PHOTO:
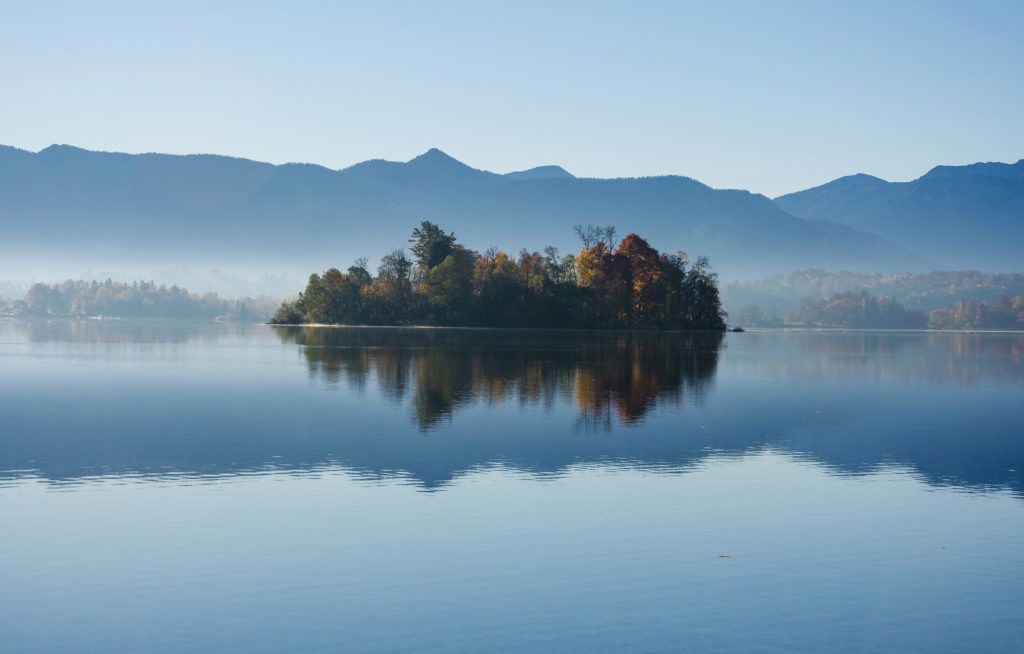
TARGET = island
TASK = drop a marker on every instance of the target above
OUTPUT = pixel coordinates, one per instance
(608, 284)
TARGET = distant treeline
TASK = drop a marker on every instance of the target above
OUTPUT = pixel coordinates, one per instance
(1005, 313)
(606, 285)
(864, 311)
(857, 311)
(77, 298)
(930, 291)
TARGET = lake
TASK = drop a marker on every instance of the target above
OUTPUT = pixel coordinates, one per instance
(190, 487)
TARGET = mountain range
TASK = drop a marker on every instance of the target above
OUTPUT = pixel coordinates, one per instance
(962, 216)
(69, 206)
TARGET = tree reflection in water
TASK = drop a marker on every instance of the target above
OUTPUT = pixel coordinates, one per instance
(95, 398)
(620, 374)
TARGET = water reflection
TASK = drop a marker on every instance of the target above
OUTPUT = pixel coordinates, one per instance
(426, 406)
(890, 357)
(624, 373)
(133, 332)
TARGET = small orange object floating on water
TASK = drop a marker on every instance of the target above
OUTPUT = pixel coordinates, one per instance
(723, 556)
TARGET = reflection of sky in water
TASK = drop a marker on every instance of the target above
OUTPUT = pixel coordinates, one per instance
(599, 557)
(181, 488)
(87, 399)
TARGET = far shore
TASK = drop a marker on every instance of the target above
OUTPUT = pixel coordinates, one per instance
(650, 330)
(787, 328)
(793, 328)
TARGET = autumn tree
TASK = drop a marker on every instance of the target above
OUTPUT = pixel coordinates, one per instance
(389, 296)
(359, 272)
(629, 285)
(591, 235)
(645, 279)
(430, 245)
(446, 288)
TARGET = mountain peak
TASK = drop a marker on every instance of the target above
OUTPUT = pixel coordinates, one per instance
(63, 148)
(441, 163)
(858, 183)
(981, 169)
(435, 157)
(860, 180)
(541, 172)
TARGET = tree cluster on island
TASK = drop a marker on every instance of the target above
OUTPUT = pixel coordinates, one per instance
(80, 299)
(606, 285)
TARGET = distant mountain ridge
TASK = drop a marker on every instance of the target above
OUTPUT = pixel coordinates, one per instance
(66, 203)
(542, 172)
(963, 216)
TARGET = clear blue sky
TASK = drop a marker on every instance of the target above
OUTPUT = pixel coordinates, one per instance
(768, 96)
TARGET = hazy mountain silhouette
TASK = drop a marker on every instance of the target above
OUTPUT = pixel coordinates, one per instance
(542, 172)
(99, 208)
(963, 216)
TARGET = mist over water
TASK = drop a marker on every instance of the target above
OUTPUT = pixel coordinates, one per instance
(247, 280)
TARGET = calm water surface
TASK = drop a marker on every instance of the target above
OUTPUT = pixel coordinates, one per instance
(170, 488)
